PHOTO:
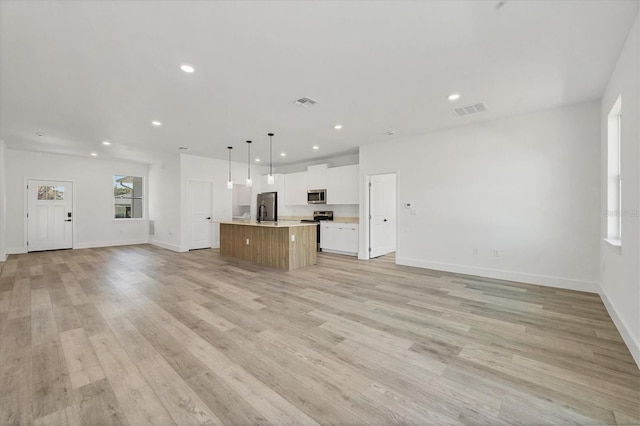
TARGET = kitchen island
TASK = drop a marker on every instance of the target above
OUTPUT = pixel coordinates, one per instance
(282, 245)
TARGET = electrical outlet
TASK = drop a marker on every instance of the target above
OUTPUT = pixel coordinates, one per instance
(247, 241)
(496, 253)
(475, 251)
(293, 238)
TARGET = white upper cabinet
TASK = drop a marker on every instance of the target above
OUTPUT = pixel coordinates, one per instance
(295, 188)
(342, 185)
(317, 176)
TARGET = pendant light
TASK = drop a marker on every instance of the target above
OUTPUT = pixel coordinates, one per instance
(249, 183)
(270, 179)
(229, 182)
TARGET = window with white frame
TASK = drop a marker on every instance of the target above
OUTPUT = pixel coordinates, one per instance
(614, 174)
(128, 197)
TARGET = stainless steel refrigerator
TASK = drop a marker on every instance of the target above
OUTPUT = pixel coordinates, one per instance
(267, 207)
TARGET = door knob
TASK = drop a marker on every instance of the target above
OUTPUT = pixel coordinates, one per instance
(209, 218)
(385, 220)
(67, 220)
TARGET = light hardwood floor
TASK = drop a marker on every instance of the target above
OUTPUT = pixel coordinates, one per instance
(139, 335)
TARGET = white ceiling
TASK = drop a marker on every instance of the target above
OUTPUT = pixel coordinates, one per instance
(86, 71)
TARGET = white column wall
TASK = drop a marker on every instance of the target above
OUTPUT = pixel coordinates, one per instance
(3, 203)
(165, 199)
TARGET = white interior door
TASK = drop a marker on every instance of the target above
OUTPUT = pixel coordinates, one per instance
(49, 215)
(200, 207)
(382, 215)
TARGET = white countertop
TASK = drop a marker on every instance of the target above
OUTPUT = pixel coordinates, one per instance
(279, 224)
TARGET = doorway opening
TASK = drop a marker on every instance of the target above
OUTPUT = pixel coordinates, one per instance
(382, 214)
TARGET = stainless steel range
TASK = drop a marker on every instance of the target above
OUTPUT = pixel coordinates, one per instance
(317, 217)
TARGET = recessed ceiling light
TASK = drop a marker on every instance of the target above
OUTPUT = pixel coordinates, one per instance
(187, 68)
(93, 154)
(454, 96)
(39, 134)
(283, 154)
(316, 147)
(391, 132)
(257, 160)
(338, 126)
(107, 143)
(156, 123)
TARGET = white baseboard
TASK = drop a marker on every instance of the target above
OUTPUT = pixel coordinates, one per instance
(23, 250)
(344, 253)
(3, 257)
(629, 339)
(168, 246)
(109, 243)
(544, 280)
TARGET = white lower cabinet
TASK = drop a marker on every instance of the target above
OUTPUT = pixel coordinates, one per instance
(338, 237)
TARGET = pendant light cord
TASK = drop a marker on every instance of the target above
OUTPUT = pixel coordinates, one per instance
(270, 154)
(249, 161)
(229, 148)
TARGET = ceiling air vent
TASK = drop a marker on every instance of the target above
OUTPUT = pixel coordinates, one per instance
(470, 109)
(305, 102)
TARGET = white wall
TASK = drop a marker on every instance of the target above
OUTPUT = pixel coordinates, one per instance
(524, 185)
(620, 279)
(3, 204)
(94, 225)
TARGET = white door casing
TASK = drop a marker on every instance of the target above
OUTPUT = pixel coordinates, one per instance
(49, 215)
(382, 214)
(200, 208)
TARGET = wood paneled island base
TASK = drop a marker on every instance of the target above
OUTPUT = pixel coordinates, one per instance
(277, 245)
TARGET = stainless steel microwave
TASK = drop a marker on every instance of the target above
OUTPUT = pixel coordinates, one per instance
(317, 196)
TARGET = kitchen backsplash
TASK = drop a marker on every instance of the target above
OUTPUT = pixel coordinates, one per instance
(343, 219)
(307, 211)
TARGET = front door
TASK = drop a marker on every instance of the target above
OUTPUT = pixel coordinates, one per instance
(200, 207)
(382, 215)
(49, 215)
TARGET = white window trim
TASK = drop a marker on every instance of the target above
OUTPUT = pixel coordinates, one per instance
(614, 191)
(144, 203)
(613, 242)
